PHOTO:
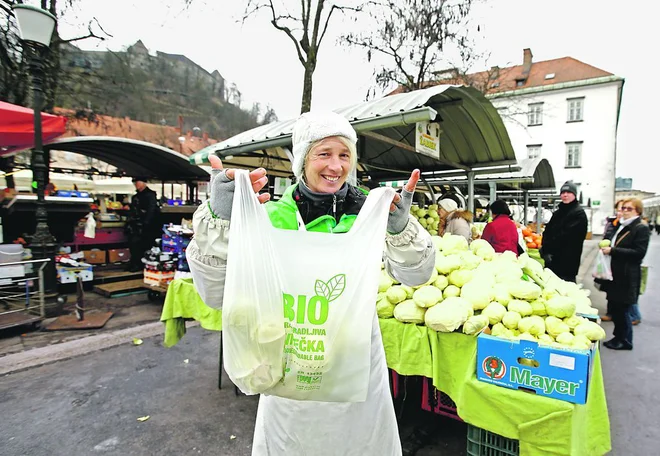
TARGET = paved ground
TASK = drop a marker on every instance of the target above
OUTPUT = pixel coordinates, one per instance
(54, 406)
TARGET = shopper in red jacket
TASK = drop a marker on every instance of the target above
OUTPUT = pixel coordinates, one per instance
(501, 233)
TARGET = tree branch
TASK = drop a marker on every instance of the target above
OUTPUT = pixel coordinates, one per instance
(288, 32)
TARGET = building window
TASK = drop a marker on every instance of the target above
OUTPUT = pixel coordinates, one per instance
(575, 109)
(535, 114)
(573, 154)
(534, 151)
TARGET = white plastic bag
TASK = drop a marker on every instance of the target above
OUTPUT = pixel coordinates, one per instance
(90, 226)
(603, 267)
(327, 284)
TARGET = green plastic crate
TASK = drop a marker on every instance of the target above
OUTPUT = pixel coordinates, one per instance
(481, 442)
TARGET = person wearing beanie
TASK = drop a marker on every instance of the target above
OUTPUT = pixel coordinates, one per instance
(564, 235)
(324, 199)
(143, 226)
(453, 220)
(501, 232)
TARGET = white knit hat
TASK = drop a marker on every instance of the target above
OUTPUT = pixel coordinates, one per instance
(314, 126)
(448, 204)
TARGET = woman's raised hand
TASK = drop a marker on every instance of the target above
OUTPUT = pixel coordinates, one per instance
(222, 187)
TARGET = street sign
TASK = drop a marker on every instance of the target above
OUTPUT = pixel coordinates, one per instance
(427, 139)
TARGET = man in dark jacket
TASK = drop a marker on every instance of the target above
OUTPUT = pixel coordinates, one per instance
(142, 226)
(564, 235)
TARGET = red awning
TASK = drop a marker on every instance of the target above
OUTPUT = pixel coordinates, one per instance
(17, 128)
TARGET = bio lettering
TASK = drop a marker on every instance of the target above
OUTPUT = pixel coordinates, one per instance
(548, 385)
(302, 310)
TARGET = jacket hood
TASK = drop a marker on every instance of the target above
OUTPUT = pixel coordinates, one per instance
(465, 215)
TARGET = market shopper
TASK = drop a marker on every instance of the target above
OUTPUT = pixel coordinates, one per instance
(142, 226)
(501, 232)
(454, 220)
(628, 249)
(564, 235)
(324, 150)
(610, 229)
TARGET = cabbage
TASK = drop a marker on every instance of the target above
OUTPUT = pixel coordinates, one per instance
(554, 326)
(497, 330)
(469, 260)
(453, 244)
(532, 325)
(581, 342)
(441, 282)
(538, 307)
(479, 243)
(591, 330)
(573, 321)
(545, 338)
(511, 319)
(560, 307)
(508, 272)
(396, 294)
(384, 308)
(507, 256)
(527, 336)
(447, 316)
(437, 242)
(522, 307)
(478, 295)
(522, 289)
(409, 291)
(447, 264)
(475, 324)
(486, 253)
(451, 291)
(460, 277)
(501, 294)
(427, 296)
(565, 338)
(409, 312)
(495, 312)
(385, 281)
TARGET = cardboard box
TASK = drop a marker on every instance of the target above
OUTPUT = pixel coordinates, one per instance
(158, 278)
(119, 255)
(69, 274)
(95, 256)
(562, 374)
(11, 253)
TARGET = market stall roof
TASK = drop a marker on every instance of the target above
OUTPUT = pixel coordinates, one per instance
(133, 157)
(534, 174)
(17, 128)
(472, 135)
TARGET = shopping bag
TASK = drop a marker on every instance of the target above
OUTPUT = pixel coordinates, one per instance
(326, 289)
(644, 280)
(602, 267)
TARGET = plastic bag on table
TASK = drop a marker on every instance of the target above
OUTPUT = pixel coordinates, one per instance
(603, 267)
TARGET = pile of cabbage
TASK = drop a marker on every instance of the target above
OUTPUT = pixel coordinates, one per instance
(473, 288)
(428, 218)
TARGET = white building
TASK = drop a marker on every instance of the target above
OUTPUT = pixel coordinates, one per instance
(565, 111)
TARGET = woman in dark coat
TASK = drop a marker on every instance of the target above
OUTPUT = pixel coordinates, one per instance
(629, 245)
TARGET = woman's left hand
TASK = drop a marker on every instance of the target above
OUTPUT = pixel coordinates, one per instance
(400, 207)
(606, 250)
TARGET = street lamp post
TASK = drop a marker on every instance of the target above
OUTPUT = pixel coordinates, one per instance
(36, 29)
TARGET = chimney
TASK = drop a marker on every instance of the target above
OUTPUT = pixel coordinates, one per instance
(527, 61)
(494, 72)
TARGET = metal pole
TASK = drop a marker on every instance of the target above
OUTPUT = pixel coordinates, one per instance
(526, 205)
(492, 186)
(539, 214)
(470, 176)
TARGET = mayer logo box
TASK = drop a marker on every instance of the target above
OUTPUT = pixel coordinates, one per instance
(547, 371)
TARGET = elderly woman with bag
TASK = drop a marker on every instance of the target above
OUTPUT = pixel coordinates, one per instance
(325, 200)
(628, 248)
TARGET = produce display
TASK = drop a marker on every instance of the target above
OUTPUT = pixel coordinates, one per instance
(428, 218)
(474, 289)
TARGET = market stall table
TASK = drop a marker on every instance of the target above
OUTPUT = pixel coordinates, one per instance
(543, 426)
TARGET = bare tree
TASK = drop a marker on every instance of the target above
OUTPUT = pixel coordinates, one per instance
(413, 35)
(306, 28)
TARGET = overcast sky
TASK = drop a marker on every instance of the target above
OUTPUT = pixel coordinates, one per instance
(619, 37)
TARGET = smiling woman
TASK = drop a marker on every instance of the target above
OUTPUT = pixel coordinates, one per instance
(328, 164)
